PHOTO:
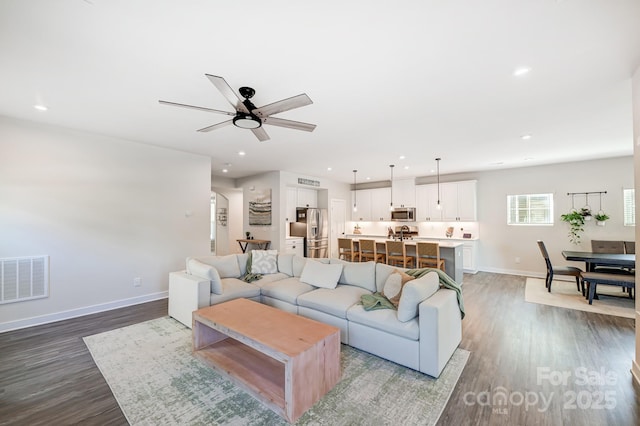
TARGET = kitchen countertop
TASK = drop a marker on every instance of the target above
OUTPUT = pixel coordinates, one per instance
(443, 243)
(419, 238)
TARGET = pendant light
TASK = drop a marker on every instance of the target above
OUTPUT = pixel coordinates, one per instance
(439, 206)
(391, 166)
(355, 192)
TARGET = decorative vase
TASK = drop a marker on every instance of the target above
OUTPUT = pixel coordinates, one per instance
(600, 222)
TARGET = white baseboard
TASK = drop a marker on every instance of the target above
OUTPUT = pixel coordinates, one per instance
(74, 313)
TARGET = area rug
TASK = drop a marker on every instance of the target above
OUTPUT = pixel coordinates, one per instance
(157, 381)
(565, 295)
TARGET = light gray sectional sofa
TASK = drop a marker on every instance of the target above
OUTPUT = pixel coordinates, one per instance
(422, 334)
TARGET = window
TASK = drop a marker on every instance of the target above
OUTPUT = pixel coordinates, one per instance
(629, 200)
(530, 209)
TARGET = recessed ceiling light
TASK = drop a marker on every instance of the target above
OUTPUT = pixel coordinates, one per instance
(368, 178)
(521, 71)
(241, 153)
(528, 159)
(329, 169)
(402, 157)
(498, 163)
(406, 167)
(224, 170)
(40, 107)
(525, 137)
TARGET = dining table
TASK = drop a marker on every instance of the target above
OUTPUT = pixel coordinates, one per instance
(591, 259)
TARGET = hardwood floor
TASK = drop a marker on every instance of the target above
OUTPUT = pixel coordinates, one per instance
(518, 349)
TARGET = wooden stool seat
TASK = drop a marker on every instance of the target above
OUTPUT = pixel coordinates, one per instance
(428, 255)
(368, 251)
(346, 250)
(396, 252)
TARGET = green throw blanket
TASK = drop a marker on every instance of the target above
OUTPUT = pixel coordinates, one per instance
(445, 281)
(248, 276)
(375, 301)
(378, 301)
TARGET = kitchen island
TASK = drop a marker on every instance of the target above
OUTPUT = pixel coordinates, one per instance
(450, 251)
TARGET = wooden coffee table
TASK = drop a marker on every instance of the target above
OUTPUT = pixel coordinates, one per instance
(286, 361)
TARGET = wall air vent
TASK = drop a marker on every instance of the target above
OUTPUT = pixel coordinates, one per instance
(24, 278)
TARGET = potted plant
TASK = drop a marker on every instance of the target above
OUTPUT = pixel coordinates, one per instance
(248, 234)
(586, 213)
(600, 218)
(575, 220)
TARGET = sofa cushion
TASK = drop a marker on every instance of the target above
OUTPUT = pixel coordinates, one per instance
(268, 278)
(335, 302)
(242, 263)
(234, 289)
(264, 261)
(227, 266)
(414, 292)
(321, 275)
(298, 265)
(360, 274)
(385, 320)
(199, 269)
(382, 273)
(287, 289)
(285, 264)
(393, 286)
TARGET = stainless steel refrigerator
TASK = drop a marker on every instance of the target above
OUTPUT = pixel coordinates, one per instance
(313, 225)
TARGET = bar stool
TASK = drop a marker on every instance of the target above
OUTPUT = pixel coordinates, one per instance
(346, 250)
(428, 255)
(368, 251)
(397, 254)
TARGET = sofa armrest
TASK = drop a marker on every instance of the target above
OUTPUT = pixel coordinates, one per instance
(187, 293)
(440, 330)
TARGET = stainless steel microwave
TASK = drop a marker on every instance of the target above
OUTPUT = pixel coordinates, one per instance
(404, 214)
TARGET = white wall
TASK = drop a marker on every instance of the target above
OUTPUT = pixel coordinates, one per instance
(500, 244)
(105, 210)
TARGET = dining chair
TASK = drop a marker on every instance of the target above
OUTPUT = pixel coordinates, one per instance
(346, 250)
(396, 252)
(428, 255)
(607, 246)
(630, 247)
(368, 251)
(560, 270)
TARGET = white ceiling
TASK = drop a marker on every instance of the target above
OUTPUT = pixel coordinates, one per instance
(420, 78)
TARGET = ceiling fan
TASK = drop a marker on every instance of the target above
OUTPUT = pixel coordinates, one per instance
(247, 115)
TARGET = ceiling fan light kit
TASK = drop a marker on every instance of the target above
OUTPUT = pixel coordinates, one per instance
(246, 121)
(247, 116)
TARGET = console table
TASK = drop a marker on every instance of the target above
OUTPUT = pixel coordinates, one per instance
(262, 244)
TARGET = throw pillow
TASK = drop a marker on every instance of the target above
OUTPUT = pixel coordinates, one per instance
(203, 270)
(325, 275)
(264, 261)
(392, 289)
(227, 266)
(414, 292)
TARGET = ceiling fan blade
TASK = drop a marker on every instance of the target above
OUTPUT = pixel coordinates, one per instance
(226, 90)
(298, 125)
(196, 107)
(283, 105)
(261, 134)
(216, 126)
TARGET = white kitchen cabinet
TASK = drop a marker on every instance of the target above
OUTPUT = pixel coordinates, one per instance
(458, 201)
(295, 246)
(292, 203)
(307, 198)
(380, 204)
(362, 200)
(427, 204)
(404, 193)
(469, 261)
(373, 205)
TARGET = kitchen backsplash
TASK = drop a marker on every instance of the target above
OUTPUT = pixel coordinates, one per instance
(425, 229)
